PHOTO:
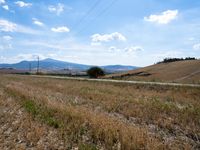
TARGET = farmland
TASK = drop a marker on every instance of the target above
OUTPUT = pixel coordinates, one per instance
(179, 72)
(46, 113)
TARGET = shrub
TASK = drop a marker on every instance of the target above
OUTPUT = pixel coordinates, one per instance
(95, 72)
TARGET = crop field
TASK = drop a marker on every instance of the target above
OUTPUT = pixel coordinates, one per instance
(46, 113)
(178, 72)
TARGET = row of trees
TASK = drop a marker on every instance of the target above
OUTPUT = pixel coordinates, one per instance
(168, 60)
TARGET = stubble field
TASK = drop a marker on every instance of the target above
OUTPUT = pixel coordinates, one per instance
(95, 115)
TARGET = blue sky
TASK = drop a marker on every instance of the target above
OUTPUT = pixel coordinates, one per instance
(99, 32)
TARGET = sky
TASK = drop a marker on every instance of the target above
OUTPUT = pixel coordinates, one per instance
(99, 32)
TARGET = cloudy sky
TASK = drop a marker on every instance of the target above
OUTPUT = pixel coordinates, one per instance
(99, 32)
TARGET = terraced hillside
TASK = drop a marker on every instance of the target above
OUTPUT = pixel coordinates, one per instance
(181, 72)
(45, 113)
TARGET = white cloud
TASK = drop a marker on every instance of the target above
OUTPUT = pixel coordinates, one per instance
(2, 1)
(5, 7)
(58, 9)
(27, 30)
(5, 46)
(163, 18)
(191, 39)
(130, 49)
(196, 46)
(37, 22)
(7, 37)
(5, 42)
(23, 4)
(113, 49)
(7, 26)
(60, 29)
(133, 49)
(97, 38)
(95, 44)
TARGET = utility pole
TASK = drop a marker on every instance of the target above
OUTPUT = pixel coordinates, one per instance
(30, 67)
(38, 64)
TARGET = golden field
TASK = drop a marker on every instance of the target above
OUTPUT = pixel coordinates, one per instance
(96, 115)
(179, 72)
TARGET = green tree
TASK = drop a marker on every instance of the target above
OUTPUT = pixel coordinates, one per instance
(95, 72)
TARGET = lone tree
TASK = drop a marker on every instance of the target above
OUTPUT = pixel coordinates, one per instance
(95, 72)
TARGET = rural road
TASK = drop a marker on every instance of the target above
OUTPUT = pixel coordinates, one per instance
(119, 81)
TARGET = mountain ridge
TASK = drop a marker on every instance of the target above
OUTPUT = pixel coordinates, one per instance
(53, 64)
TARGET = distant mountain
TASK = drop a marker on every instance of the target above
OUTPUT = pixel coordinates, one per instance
(52, 64)
(46, 64)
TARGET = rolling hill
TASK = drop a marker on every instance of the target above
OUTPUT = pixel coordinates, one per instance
(52, 65)
(47, 64)
(187, 71)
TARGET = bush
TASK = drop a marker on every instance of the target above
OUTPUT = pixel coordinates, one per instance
(95, 72)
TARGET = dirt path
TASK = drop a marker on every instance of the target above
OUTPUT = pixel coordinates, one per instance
(190, 75)
(119, 81)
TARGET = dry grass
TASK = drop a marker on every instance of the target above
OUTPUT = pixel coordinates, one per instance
(181, 71)
(111, 115)
(20, 131)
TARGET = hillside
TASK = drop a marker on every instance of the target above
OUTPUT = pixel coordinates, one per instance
(181, 71)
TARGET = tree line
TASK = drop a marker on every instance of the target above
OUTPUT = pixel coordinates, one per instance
(168, 60)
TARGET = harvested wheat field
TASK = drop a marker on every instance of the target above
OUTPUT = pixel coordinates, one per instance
(180, 72)
(44, 113)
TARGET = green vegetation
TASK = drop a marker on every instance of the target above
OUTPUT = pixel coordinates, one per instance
(37, 111)
(95, 72)
(40, 112)
(87, 147)
(168, 60)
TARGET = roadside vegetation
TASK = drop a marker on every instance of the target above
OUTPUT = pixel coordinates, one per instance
(95, 72)
(94, 115)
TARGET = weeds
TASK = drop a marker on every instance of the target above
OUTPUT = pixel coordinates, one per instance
(82, 111)
(77, 122)
(87, 147)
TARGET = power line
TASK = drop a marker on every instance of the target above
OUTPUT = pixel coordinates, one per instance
(87, 14)
(106, 8)
(98, 15)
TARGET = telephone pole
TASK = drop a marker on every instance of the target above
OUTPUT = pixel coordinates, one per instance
(30, 67)
(38, 64)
